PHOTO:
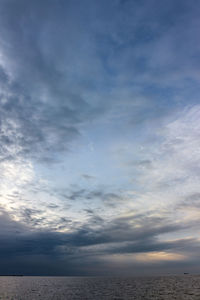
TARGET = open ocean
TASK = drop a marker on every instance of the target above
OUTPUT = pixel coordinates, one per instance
(62, 288)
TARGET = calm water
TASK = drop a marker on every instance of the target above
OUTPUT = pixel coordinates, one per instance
(60, 288)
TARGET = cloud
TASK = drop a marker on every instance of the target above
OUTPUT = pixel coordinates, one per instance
(170, 170)
(119, 236)
(108, 89)
(87, 244)
(52, 67)
(88, 177)
(191, 201)
(41, 109)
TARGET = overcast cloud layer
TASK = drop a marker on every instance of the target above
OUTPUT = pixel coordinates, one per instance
(99, 137)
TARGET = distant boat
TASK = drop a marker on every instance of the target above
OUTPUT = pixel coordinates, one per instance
(185, 273)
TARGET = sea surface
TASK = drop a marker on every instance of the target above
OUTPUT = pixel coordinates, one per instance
(62, 288)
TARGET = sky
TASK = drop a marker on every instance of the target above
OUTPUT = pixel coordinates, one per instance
(99, 137)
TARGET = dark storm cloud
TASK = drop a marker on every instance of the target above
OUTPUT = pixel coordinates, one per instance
(22, 245)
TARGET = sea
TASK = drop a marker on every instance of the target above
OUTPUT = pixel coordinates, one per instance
(62, 288)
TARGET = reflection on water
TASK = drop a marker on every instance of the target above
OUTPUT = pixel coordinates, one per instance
(62, 288)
